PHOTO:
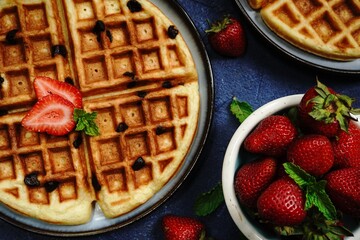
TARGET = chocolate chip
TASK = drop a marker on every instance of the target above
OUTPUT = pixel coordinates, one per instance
(141, 94)
(3, 112)
(131, 84)
(122, 127)
(95, 183)
(138, 164)
(78, 141)
(109, 35)
(31, 180)
(134, 6)
(69, 80)
(160, 130)
(51, 186)
(129, 74)
(172, 32)
(99, 27)
(10, 36)
(58, 50)
(167, 84)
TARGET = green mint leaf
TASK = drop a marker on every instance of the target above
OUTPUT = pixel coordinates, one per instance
(301, 177)
(241, 110)
(85, 122)
(208, 202)
(321, 200)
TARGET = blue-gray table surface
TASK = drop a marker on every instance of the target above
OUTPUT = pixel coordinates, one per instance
(261, 75)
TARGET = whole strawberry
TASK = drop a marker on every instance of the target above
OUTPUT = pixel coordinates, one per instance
(282, 203)
(313, 153)
(252, 179)
(323, 111)
(182, 228)
(272, 136)
(227, 37)
(343, 187)
(347, 147)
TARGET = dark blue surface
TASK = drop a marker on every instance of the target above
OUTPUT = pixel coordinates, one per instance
(259, 76)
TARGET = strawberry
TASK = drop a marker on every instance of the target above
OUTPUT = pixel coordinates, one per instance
(272, 136)
(343, 187)
(51, 114)
(44, 86)
(182, 228)
(253, 178)
(347, 147)
(313, 153)
(282, 203)
(323, 111)
(227, 37)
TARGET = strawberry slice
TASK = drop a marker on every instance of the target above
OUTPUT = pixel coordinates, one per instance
(51, 114)
(44, 86)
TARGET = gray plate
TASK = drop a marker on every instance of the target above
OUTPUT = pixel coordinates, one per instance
(99, 223)
(292, 51)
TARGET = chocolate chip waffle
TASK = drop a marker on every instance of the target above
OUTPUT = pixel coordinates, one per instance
(132, 67)
(326, 28)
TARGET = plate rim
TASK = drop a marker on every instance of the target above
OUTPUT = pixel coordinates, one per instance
(208, 118)
(279, 44)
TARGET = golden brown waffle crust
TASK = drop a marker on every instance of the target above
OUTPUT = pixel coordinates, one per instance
(329, 29)
(133, 73)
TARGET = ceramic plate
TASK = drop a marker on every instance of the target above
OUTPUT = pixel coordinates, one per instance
(292, 51)
(99, 223)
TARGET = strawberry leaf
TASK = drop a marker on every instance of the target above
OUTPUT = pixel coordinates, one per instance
(301, 177)
(208, 202)
(85, 122)
(241, 110)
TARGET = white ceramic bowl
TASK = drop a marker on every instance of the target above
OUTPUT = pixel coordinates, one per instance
(235, 155)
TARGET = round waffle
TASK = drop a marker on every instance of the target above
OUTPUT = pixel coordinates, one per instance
(326, 28)
(132, 67)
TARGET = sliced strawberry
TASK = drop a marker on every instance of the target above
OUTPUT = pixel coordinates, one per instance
(51, 114)
(44, 86)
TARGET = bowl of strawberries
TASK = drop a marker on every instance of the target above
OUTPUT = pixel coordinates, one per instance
(292, 168)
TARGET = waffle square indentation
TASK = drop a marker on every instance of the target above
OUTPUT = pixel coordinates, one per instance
(67, 190)
(137, 145)
(325, 27)
(47, 70)
(345, 12)
(160, 109)
(307, 7)
(7, 168)
(95, 69)
(85, 10)
(116, 180)
(61, 160)
(112, 7)
(89, 41)
(38, 195)
(26, 138)
(105, 120)
(13, 54)
(33, 162)
(19, 83)
(41, 48)
(286, 15)
(143, 176)
(110, 151)
(120, 35)
(133, 114)
(173, 57)
(182, 106)
(151, 60)
(145, 30)
(9, 20)
(122, 63)
(35, 17)
(5, 143)
(165, 142)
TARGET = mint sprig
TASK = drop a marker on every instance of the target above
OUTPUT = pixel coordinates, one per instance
(241, 110)
(209, 201)
(86, 122)
(315, 193)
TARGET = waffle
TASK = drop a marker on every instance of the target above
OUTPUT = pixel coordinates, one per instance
(132, 67)
(330, 29)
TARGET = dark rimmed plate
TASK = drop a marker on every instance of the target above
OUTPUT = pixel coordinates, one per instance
(255, 19)
(99, 223)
